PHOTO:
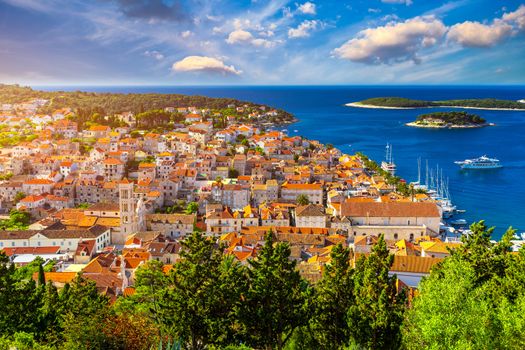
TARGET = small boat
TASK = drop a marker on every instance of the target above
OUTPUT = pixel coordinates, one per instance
(296, 130)
(482, 162)
(460, 211)
(388, 164)
(458, 222)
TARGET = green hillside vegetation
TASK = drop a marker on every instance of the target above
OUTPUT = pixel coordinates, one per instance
(88, 103)
(483, 103)
(453, 118)
(402, 102)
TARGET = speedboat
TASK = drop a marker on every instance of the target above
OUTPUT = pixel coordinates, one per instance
(482, 162)
(458, 222)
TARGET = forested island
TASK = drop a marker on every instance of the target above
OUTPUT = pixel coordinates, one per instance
(449, 120)
(85, 104)
(405, 103)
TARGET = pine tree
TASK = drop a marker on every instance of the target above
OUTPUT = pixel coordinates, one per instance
(41, 276)
(334, 296)
(276, 301)
(375, 317)
(198, 306)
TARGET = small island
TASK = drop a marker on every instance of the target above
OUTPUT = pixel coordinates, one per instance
(449, 120)
(407, 103)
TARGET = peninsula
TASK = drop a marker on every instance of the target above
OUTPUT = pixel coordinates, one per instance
(167, 108)
(449, 120)
(406, 103)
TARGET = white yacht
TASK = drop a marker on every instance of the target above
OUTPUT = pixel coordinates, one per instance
(482, 162)
(388, 164)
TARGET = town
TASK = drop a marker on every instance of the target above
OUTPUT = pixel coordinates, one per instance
(89, 200)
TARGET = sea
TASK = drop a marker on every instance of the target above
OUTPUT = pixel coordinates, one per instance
(496, 196)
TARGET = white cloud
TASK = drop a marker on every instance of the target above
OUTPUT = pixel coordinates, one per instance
(303, 30)
(186, 34)
(517, 17)
(239, 36)
(308, 8)
(394, 42)
(405, 2)
(204, 64)
(475, 34)
(155, 54)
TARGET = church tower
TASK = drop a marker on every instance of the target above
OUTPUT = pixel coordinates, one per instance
(128, 221)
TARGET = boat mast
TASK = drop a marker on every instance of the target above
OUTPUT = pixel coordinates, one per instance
(419, 170)
(426, 174)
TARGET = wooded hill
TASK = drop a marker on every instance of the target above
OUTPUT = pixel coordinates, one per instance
(114, 103)
(402, 102)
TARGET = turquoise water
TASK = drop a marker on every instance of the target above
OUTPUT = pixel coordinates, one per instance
(498, 196)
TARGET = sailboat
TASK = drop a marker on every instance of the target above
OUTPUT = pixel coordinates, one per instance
(388, 164)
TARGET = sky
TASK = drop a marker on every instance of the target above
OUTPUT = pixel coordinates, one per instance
(261, 42)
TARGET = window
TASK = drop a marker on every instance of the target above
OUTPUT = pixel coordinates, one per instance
(395, 236)
(411, 236)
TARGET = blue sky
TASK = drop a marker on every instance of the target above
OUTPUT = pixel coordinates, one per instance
(182, 42)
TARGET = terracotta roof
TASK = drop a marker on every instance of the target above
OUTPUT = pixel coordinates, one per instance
(309, 210)
(31, 250)
(390, 209)
(414, 264)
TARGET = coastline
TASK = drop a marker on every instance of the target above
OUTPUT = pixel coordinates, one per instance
(433, 126)
(484, 108)
(359, 105)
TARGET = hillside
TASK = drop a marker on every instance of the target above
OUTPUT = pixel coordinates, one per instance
(113, 103)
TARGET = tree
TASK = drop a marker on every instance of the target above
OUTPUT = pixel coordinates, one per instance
(334, 296)
(302, 199)
(474, 299)
(233, 173)
(150, 284)
(18, 299)
(41, 276)
(448, 315)
(18, 197)
(374, 319)
(192, 208)
(276, 302)
(198, 307)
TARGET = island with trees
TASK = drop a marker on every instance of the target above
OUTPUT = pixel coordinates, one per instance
(407, 103)
(449, 120)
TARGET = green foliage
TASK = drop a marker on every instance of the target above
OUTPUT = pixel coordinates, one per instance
(192, 208)
(198, 307)
(375, 317)
(333, 298)
(395, 102)
(455, 118)
(410, 103)
(6, 176)
(276, 300)
(302, 199)
(483, 103)
(233, 173)
(18, 220)
(18, 197)
(474, 299)
(86, 104)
